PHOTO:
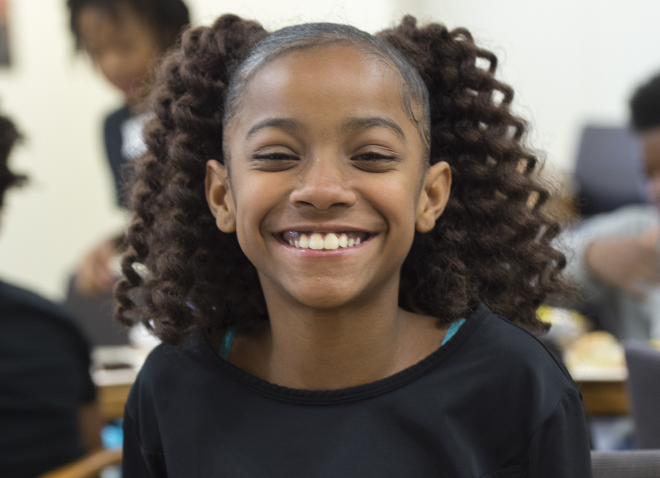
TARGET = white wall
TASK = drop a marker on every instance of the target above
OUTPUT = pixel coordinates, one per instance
(59, 103)
(569, 61)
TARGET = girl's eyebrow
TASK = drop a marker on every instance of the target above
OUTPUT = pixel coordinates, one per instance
(373, 122)
(288, 124)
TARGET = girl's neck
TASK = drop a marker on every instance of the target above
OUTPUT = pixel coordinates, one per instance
(323, 350)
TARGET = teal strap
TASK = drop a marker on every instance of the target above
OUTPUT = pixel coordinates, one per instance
(227, 342)
(451, 331)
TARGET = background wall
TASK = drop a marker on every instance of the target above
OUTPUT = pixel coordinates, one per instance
(570, 61)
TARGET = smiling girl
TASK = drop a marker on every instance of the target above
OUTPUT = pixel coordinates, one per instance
(328, 219)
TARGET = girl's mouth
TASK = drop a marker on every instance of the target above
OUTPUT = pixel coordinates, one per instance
(322, 241)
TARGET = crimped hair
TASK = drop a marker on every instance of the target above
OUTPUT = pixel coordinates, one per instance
(9, 135)
(167, 17)
(645, 105)
(493, 242)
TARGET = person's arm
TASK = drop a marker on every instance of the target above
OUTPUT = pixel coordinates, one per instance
(560, 446)
(629, 264)
(94, 275)
(613, 251)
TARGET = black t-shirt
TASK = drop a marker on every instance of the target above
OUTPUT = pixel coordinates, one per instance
(491, 402)
(44, 379)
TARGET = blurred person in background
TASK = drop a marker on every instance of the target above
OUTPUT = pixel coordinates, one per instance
(615, 257)
(124, 39)
(48, 410)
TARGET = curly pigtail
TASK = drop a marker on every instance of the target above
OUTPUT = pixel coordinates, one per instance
(493, 241)
(172, 234)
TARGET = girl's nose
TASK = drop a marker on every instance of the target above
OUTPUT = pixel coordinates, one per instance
(323, 185)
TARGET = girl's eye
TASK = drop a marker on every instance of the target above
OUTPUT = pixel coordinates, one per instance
(372, 156)
(274, 160)
(373, 161)
(274, 157)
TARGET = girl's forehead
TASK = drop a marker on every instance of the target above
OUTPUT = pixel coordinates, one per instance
(334, 88)
(339, 57)
(322, 74)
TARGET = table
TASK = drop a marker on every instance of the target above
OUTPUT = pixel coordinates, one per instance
(604, 397)
(603, 394)
(112, 399)
(114, 373)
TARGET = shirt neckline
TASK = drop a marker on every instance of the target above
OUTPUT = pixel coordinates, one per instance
(359, 392)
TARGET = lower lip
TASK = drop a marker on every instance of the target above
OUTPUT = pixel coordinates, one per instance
(322, 252)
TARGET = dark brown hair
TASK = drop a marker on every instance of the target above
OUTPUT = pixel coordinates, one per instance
(166, 17)
(9, 135)
(492, 243)
(645, 105)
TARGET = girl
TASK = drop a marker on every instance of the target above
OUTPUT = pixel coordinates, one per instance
(124, 39)
(327, 219)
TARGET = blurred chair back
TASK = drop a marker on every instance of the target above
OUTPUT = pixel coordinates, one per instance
(644, 388)
(609, 169)
(95, 316)
(626, 464)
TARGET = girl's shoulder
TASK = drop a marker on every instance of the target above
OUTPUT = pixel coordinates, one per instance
(502, 350)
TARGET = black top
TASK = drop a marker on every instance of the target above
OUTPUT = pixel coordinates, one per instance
(44, 379)
(113, 148)
(492, 402)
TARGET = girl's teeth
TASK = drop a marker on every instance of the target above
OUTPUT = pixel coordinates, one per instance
(330, 242)
(316, 241)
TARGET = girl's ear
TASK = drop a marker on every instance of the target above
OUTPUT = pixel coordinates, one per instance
(219, 197)
(434, 197)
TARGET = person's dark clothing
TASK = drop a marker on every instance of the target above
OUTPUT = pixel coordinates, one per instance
(44, 379)
(112, 137)
(491, 402)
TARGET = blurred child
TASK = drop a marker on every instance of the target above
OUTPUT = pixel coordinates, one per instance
(124, 39)
(48, 412)
(615, 257)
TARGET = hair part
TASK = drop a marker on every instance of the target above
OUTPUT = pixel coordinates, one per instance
(645, 105)
(9, 136)
(167, 17)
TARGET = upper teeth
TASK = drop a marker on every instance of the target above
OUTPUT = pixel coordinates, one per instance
(331, 241)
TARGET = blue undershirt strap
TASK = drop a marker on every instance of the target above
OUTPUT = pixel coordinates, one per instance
(227, 342)
(451, 331)
(230, 334)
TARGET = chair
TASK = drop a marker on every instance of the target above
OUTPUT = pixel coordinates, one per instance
(644, 389)
(89, 466)
(94, 315)
(608, 169)
(626, 464)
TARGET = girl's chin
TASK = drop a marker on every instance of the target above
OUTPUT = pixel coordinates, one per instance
(324, 301)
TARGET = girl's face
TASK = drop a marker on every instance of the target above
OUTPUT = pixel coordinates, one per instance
(123, 48)
(326, 178)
